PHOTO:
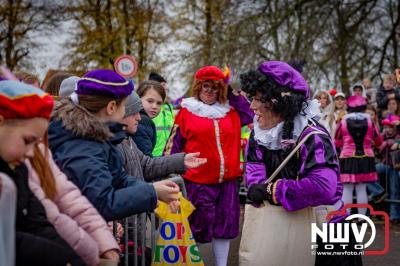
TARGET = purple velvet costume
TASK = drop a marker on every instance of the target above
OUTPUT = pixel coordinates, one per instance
(217, 205)
(311, 177)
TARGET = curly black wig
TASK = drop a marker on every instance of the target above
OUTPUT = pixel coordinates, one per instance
(288, 106)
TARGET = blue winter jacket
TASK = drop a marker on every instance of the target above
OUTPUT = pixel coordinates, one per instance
(86, 151)
(145, 136)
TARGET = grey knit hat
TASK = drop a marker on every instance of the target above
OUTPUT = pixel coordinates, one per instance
(133, 104)
(67, 86)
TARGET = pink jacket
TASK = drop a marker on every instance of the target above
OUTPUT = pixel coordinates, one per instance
(344, 140)
(73, 216)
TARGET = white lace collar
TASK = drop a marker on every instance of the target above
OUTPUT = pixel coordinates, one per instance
(216, 110)
(357, 116)
(272, 138)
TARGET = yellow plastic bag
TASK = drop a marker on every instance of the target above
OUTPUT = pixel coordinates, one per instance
(176, 245)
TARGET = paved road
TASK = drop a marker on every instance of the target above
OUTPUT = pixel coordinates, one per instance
(391, 258)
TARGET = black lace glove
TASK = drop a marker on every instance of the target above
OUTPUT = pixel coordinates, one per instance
(259, 192)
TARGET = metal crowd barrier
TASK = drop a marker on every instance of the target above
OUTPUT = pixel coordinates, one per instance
(135, 228)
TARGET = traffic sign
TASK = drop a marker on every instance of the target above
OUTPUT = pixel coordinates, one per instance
(126, 66)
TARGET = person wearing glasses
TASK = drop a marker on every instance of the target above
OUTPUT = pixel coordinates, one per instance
(210, 123)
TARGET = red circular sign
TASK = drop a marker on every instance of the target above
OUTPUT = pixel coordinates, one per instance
(126, 66)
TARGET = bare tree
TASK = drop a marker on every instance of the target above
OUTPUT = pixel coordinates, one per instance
(19, 20)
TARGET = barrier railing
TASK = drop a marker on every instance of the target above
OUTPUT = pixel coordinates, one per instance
(136, 234)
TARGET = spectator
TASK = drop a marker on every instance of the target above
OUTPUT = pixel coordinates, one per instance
(340, 107)
(358, 89)
(371, 91)
(20, 130)
(385, 167)
(164, 120)
(68, 86)
(392, 108)
(327, 119)
(153, 95)
(387, 92)
(52, 87)
(83, 135)
(8, 203)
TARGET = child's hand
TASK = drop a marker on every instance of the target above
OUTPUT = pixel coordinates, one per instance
(120, 230)
(395, 146)
(174, 206)
(166, 190)
(110, 255)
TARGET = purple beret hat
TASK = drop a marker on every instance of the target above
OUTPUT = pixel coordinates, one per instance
(104, 82)
(285, 75)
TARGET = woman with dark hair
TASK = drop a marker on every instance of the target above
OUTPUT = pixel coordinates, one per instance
(291, 167)
(355, 135)
(210, 124)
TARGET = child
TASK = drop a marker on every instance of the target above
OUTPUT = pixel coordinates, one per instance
(371, 110)
(385, 167)
(8, 203)
(83, 135)
(142, 166)
(355, 135)
(152, 95)
(386, 92)
(392, 108)
(53, 218)
(164, 120)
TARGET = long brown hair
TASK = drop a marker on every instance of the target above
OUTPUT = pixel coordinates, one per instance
(222, 89)
(42, 168)
(52, 86)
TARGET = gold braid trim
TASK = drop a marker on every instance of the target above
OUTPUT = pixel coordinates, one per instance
(170, 142)
(274, 191)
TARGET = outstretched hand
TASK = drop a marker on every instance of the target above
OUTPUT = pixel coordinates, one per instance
(192, 161)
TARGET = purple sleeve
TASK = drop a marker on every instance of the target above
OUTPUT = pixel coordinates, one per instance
(318, 188)
(175, 142)
(242, 106)
(255, 167)
(319, 177)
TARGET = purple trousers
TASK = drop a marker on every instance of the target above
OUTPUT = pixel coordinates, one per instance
(217, 211)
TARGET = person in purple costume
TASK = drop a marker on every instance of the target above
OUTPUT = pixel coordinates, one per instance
(283, 118)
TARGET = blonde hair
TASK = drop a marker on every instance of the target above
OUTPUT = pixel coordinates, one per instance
(222, 89)
(389, 77)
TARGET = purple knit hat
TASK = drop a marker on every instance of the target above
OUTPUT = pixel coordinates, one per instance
(285, 75)
(104, 82)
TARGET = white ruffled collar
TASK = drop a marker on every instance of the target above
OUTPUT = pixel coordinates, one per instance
(357, 116)
(216, 110)
(272, 138)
